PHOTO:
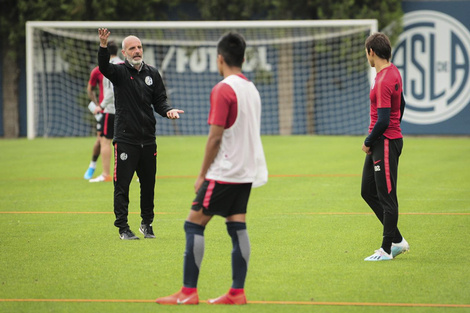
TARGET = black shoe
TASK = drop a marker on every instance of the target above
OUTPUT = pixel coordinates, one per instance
(128, 235)
(146, 230)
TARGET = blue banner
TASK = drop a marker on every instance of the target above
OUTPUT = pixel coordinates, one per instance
(433, 56)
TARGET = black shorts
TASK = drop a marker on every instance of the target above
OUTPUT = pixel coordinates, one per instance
(224, 199)
(106, 125)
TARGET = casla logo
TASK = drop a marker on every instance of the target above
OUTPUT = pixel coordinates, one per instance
(432, 55)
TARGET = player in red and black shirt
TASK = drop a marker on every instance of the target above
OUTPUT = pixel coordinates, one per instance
(233, 163)
(383, 146)
(96, 80)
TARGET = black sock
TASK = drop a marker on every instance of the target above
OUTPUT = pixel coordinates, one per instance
(240, 253)
(193, 254)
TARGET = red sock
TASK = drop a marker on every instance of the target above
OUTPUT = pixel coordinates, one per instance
(235, 291)
(188, 291)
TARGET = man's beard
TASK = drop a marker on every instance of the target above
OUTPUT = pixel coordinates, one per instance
(134, 62)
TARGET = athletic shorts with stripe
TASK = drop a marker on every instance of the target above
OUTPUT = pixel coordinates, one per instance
(107, 125)
(224, 199)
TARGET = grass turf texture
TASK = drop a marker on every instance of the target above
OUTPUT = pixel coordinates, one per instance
(309, 229)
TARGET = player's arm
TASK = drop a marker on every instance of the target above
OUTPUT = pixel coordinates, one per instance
(160, 100)
(402, 105)
(106, 68)
(91, 93)
(108, 98)
(384, 105)
(380, 126)
(212, 148)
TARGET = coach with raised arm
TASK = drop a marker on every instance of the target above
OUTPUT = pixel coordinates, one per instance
(138, 90)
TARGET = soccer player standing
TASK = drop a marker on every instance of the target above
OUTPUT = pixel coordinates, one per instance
(107, 109)
(383, 146)
(96, 80)
(233, 163)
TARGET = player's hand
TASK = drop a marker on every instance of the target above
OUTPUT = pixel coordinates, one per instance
(198, 183)
(104, 35)
(174, 114)
(366, 149)
(97, 110)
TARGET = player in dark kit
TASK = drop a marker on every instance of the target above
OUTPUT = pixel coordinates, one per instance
(138, 91)
(383, 147)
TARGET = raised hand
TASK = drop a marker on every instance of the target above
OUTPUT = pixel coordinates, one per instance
(104, 35)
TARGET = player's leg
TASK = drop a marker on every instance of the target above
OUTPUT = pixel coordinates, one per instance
(126, 158)
(237, 230)
(106, 158)
(369, 188)
(373, 177)
(386, 169)
(194, 227)
(399, 244)
(94, 158)
(147, 171)
(106, 151)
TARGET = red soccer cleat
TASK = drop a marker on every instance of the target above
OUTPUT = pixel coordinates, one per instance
(234, 296)
(184, 296)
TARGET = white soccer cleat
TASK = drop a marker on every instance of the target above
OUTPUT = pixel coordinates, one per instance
(101, 179)
(399, 248)
(379, 255)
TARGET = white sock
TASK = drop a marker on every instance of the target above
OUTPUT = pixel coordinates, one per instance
(92, 164)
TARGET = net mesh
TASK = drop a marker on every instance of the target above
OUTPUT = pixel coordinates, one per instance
(312, 80)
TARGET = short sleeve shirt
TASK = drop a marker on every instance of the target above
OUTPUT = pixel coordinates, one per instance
(96, 78)
(224, 108)
(386, 93)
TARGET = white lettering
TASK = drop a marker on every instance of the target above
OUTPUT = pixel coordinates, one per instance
(198, 60)
(204, 59)
(181, 60)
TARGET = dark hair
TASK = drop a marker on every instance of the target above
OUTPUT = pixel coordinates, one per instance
(232, 47)
(112, 48)
(380, 44)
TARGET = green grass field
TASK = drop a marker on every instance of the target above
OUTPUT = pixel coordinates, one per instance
(309, 229)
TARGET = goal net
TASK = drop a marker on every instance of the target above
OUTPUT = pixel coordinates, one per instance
(313, 76)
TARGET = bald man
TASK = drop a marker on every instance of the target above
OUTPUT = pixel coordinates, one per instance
(138, 90)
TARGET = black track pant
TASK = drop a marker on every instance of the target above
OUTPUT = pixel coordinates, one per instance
(128, 160)
(379, 186)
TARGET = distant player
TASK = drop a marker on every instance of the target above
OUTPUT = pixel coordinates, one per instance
(383, 147)
(95, 81)
(233, 163)
(107, 109)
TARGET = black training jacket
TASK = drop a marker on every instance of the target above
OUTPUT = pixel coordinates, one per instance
(134, 94)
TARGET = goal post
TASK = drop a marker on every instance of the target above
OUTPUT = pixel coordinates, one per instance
(312, 75)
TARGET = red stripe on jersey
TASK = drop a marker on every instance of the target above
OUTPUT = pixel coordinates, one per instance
(208, 195)
(387, 164)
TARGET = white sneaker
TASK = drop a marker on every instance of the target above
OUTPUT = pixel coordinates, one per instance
(379, 255)
(101, 178)
(399, 248)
